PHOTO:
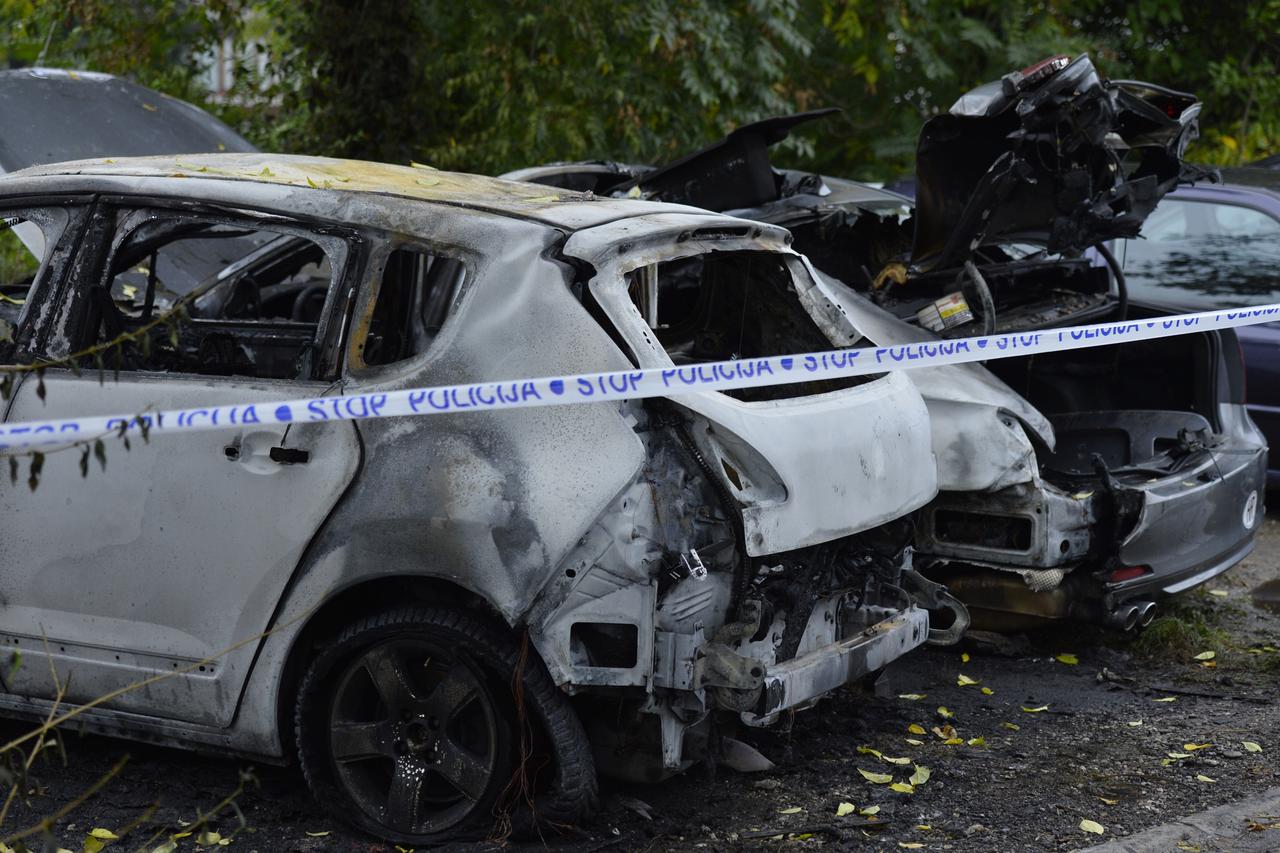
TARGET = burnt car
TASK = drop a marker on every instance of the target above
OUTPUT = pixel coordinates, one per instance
(1085, 484)
(449, 621)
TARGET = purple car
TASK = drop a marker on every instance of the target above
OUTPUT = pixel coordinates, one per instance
(1218, 246)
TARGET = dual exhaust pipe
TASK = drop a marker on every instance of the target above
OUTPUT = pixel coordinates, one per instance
(1131, 615)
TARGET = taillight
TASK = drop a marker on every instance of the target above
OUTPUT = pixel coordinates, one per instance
(1128, 573)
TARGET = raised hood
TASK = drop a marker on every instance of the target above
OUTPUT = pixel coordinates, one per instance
(1052, 155)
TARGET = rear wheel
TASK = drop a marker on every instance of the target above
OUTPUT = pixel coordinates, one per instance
(410, 726)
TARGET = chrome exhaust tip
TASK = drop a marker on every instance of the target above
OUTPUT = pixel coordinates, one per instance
(1125, 617)
(1146, 613)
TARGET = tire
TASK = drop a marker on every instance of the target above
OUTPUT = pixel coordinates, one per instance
(413, 726)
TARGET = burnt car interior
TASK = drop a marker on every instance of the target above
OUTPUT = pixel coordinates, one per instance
(724, 306)
(417, 290)
(252, 297)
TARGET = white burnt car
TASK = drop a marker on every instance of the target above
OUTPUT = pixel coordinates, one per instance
(410, 606)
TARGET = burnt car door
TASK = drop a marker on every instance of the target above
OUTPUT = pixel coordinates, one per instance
(167, 553)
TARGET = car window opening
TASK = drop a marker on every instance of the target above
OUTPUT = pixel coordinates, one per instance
(417, 291)
(725, 306)
(252, 298)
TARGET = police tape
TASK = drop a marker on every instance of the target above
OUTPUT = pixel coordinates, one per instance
(671, 381)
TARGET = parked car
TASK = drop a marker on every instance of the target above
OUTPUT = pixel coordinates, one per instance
(1085, 484)
(440, 617)
(1217, 245)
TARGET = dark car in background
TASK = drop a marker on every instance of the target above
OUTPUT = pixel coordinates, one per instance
(1217, 245)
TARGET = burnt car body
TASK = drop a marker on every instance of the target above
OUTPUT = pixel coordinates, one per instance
(415, 607)
(1084, 484)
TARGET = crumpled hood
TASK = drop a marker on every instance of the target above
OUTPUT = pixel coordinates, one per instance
(1052, 155)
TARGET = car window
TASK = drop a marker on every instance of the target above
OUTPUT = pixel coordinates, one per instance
(213, 297)
(416, 291)
(1204, 255)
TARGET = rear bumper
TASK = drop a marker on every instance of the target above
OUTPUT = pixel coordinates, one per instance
(814, 674)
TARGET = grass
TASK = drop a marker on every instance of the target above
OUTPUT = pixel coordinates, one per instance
(1182, 632)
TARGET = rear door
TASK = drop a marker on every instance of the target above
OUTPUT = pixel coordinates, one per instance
(172, 559)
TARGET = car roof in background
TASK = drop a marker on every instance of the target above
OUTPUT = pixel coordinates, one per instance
(58, 115)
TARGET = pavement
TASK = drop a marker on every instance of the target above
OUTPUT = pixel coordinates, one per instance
(1251, 825)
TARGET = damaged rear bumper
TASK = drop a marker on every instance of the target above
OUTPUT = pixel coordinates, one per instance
(812, 675)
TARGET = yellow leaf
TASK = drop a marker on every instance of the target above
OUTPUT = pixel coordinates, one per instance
(945, 731)
(1035, 710)
(1185, 845)
(792, 810)
(987, 691)
(902, 788)
(910, 845)
(418, 165)
(916, 729)
(953, 741)
(1068, 659)
(869, 811)
(977, 741)
(310, 182)
(149, 108)
(1013, 727)
(845, 808)
(1192, 747)
(1178, 754)
(321, 834)
(944, 713)
(1204, 778)
(1229, 142)
(876, 778)
(893, 760)
(866, 750)
(1168, 699)
(913, 697)
(963, 680)
(92, 845)
(920, 776)
(964, 657)
(1108, 802)
(909, 740)
(104, 834)
(1210, 664)
(1250, 746)
(1220, 593)
(1134, 723)
(923, 827)
(427, 182)
(1092, 826)
(1206, 656)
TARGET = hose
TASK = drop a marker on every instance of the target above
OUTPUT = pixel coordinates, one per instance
(984, 294)
(1122, 288)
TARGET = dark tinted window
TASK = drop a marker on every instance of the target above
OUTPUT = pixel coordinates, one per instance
(1204, 255)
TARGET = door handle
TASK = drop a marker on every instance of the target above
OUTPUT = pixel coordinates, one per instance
(289, 456)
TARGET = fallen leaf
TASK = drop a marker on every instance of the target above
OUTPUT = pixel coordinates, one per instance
(869, 811)
(923, 827)
(916, 729)
(792, 810)
(1206, 656)
(104, 834)
(1067, 658)
(91, 845)
(963, 680)
(1134, 723)
(1221, 593)
(913, 697)
(910, 845)
(945, 731)
(964, 657)
(1250, 746)
(977, 741)
(987, 691)
(418, 165)
(866, 750)
(876, 778)
(149, 108)
(1204, 778)
(1035, 710)
(1108, 802)
(914, 742)
(1013, 727)
(1186, 845)
(1209, 664)
(1092, 826)
(845, 808)
(1168, 699)
(1177, 755)
(310, 182)
(1192, 747)
(902, 788)
(919, 777)
(427, 182)
(944, 713)
(953, 741)
(893, 760)
(320, 834)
